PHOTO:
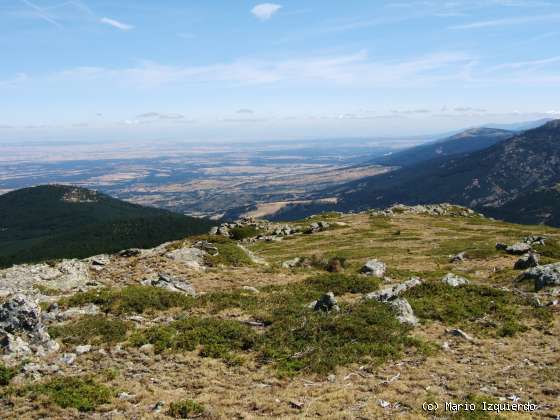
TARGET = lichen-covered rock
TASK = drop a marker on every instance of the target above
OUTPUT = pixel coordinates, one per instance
(22, 329)
(454, 280)
(171, 284)
(374, 268)
(528, 260)
(392, 292)
(518, 248)
(326, 303)
(461, 256)
(534, 240)
(404, 311)
(189, 257)
(543, 275)
(20, 313)
(65, 275)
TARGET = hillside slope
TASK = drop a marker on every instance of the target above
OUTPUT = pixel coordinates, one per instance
(290, 327)
(465, 142)
(56, 221)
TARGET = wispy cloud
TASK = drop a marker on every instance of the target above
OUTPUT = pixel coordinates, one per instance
(508, 21)
(527, 65)
(264, 11)
(244, 111)
(350, 69)
(160, 116)
(41, 13)
(116, 24)
(14, 81)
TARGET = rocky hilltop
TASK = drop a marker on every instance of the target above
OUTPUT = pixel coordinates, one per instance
(364, 315)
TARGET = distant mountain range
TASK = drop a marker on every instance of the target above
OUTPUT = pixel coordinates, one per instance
(465, 142)
(515, 179)
(55, 221)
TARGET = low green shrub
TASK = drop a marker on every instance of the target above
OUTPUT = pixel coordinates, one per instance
(93, 329)
(130, 299)
(480, 309)
(83, 394)
(243, 232)
(190, 333)
(340, 284)
(6, 374)
(185, 409)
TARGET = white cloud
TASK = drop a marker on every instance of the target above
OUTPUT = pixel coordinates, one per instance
(508, 21)
(244, 111)
(159, 116)
(264, 11)
(116, 24)
(351, 69)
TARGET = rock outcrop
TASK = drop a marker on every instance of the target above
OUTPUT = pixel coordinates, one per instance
(21, 328)
(528, 260)
(169, 283)
(392, 292)
(374, 268)
(543, 275)
(404, 311)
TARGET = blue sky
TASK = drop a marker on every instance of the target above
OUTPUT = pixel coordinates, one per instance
(243, 70)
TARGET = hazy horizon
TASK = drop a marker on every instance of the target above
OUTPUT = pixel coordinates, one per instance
(242, 71)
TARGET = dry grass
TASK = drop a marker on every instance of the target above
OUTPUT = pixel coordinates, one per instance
(491, 367)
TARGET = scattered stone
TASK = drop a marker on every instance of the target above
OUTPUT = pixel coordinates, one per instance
(444, 209)
(392, 292)
(500, 246)
(73, 313)
(83, 349)
(223, 231)
(384, 404)
(534, 240)
(327, 303)
(528, 260)
(14, 346)
(207, 247)
(454, 280)
(158, 406)
(213, 230)
(543, 275)
(68, 358)
(169, 283)
(404, 311)
(456, 332)
(125, 396)
(331, 378)
(100, 260)
(250, 289)
(519, 248)
(461, 256)
(374, 268)
(296, 404)
(147, 348)
(129, 253)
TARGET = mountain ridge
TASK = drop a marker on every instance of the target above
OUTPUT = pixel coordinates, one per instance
(50, 221)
